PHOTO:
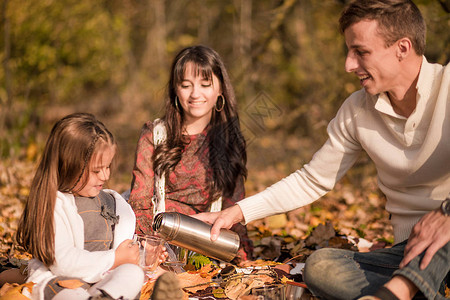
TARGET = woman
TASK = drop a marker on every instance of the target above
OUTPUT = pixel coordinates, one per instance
(193, 159)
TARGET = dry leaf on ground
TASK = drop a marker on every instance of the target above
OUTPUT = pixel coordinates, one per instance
(14, 291)
(70, 283)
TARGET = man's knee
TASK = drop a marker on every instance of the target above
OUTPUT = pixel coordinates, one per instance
(318, 265)
(324, 265)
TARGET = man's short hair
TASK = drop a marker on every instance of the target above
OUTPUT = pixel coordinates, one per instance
(396, 19)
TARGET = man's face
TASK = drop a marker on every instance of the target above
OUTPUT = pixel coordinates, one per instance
(376, 66)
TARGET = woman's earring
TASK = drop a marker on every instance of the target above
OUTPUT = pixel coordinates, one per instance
(176, 103)
(223, 103)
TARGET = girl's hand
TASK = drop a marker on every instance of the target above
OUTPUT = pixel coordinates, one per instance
(126, 253)
(163, 256)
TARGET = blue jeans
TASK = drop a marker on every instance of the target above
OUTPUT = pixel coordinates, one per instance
(343, 274)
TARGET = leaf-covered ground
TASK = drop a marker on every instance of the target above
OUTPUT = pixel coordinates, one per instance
(356, 212)
(340, 219)
(15, 180)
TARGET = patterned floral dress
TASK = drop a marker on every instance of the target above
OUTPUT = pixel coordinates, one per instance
(188, 187)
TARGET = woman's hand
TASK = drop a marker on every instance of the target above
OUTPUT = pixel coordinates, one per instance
(222, 219)
(126, 253)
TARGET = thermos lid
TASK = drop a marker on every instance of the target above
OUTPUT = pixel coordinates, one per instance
(162, 227)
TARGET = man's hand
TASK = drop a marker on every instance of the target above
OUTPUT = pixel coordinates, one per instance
(222, 219)
(431, 233)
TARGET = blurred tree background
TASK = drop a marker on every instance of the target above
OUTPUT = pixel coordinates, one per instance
(112, 58)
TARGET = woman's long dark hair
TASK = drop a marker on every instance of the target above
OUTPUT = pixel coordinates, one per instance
(227, 149)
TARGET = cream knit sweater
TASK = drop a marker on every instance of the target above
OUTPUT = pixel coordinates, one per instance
(70, 257)
(411, 155)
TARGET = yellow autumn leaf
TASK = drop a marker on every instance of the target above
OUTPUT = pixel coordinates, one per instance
(284, 279)
(276, 221)
(147, 290)
(219, 293)
(14, 291)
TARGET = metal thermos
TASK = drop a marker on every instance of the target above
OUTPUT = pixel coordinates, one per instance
(190, 233)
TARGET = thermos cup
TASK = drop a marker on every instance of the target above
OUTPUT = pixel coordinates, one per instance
(190, 233)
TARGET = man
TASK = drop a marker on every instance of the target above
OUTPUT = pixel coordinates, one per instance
(401, 118)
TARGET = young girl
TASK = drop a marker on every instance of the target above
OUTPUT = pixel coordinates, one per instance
(72, 226)
(193, 159)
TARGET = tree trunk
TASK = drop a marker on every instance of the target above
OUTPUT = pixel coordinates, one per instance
(6, 103)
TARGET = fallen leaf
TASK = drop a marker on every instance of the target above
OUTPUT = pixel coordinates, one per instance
(235, 289)
(276, 221)
(283, 267)
(248, 297)
(147, 290)
(208, 271)
(70, 283)
(7, 287)
(259, 263)
(192, 282)
(14, 291)
(219, 293)
(320, 234)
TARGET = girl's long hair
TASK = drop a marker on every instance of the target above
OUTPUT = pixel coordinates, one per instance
(72, 143)
(227, 148)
